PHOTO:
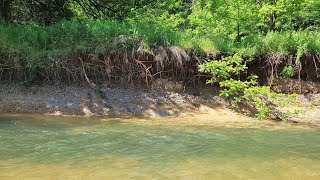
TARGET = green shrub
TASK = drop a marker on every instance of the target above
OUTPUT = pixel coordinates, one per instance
(287, 72)
(261, 98)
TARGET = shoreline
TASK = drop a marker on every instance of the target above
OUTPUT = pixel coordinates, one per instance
(195, 120)
(80, 102)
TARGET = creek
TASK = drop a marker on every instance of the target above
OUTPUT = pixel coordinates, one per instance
(46, 147)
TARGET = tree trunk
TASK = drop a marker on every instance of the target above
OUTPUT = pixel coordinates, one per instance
(5, 10)
(272, 17)
(238, 23)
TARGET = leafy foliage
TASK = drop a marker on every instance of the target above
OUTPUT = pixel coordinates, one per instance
(260, 97)
(287, 72)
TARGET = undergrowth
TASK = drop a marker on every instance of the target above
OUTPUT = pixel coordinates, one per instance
(39, 44)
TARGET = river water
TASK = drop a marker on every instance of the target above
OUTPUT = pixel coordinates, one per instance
(44, 147)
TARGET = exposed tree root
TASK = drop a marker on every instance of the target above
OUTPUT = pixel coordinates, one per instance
(140, 67)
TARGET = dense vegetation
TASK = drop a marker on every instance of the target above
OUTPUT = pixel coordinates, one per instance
(84, 40)
(249, 27)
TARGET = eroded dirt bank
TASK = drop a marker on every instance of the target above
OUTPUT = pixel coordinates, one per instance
(107, 102)
(115, 102)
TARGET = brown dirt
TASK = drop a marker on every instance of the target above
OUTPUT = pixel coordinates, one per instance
(108, 102)
(295, 86)
(170, 101)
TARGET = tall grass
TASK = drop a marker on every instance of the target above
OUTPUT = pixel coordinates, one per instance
(292, 42)
(287, 42)
(37, 44)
